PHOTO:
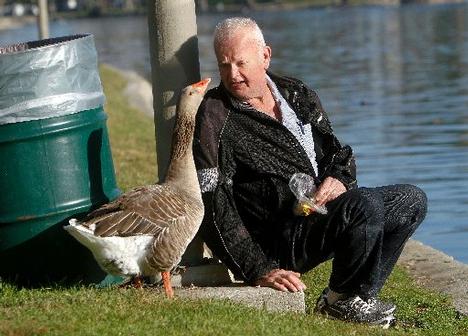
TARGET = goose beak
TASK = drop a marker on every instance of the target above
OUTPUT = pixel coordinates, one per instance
(202, 85)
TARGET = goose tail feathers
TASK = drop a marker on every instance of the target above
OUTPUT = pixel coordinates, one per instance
(81, 233)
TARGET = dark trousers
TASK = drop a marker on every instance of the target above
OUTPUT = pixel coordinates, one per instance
(364, 232)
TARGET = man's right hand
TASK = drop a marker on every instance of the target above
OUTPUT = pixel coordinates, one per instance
(283, 280)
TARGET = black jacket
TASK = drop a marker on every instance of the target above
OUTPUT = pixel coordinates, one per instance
(245, 159)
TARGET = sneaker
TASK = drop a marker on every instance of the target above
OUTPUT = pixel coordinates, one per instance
(322, 301)
(386, 308)
(354, 309)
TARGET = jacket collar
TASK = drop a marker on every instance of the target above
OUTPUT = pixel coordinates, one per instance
(294, 91)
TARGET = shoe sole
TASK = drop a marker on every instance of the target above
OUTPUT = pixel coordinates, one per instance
(385, 323)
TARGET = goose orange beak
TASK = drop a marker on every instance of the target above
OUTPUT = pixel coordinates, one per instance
(203, 82)
(202, 85)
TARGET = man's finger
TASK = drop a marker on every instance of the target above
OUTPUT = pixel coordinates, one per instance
(280, 287)
(323, 191)
(294, 280)
(323, 196)
(282, 280)
(288, 284)
(330, 189)
(299, 284)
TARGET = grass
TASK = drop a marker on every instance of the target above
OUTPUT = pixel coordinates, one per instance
(85, 310)
(131, 136)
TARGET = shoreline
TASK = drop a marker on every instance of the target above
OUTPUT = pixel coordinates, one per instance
(433, 269)
(10, 22)
(428, 267)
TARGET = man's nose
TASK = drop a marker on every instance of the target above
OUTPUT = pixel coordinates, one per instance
(234, 72)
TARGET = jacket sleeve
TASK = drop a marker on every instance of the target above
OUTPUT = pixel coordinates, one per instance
(340, 159)
(343, 167)
(222, 228)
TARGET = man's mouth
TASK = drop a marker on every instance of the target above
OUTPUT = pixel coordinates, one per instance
(237, 85)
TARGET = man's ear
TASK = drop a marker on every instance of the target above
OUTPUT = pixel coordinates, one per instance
(266, 57)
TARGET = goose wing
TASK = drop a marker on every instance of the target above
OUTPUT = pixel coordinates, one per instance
(142, 211)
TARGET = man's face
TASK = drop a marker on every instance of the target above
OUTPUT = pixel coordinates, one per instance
(242, 66)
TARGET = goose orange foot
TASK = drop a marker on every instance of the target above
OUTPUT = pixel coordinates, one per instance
(166, 278)
(135, 282)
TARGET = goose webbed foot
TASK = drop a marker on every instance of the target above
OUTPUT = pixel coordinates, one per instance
(166, 278)
(135, 282)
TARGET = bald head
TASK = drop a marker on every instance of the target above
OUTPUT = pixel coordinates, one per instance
(231, 28)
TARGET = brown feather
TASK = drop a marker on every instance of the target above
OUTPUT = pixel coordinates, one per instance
(145, 210)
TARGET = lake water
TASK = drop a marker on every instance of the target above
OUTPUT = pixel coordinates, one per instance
(394, 81)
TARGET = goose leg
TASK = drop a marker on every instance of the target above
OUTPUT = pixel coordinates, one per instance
(166, 277)
(137, 282)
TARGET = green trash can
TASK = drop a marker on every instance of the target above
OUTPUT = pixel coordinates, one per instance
(55, 159)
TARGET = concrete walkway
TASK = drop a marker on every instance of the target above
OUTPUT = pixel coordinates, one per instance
(438, 271)
(10, 22)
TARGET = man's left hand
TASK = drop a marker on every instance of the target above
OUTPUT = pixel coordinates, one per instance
(330, 189)
(283, 280)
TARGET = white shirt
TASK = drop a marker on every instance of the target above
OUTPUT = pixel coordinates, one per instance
(302, 132)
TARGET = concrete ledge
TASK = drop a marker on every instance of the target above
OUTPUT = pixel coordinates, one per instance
(139, 92)
(436, 270)
(257, 297)
(10, 22)
(215, 281)
(203, 276)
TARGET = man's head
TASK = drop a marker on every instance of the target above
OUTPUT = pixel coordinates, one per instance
(243, 57)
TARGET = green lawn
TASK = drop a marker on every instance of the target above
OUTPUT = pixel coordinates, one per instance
(114, 311)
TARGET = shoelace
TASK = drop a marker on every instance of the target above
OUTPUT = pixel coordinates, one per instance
(382, 305)
(372, 301)
(362, 305)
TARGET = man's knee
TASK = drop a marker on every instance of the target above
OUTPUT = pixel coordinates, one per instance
(416, 199)
(405, 205)
(419, 196)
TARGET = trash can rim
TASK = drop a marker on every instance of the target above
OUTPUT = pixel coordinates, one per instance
(30, 46)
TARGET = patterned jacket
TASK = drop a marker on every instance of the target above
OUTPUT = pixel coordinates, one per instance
(244, 160)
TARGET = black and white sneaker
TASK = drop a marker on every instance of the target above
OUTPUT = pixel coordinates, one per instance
(355, 309)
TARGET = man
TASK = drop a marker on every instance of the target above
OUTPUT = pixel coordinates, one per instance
(253, 132)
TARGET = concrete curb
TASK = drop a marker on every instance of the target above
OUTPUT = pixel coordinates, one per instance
(257, 297)
(436, 270)
(138, 92)
(10, 22)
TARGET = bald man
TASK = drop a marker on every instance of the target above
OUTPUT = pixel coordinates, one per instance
(254, 131)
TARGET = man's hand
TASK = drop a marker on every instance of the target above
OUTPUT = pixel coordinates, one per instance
(330, 189)
(283, 280)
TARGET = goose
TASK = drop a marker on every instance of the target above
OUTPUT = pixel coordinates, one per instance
(145, 231)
